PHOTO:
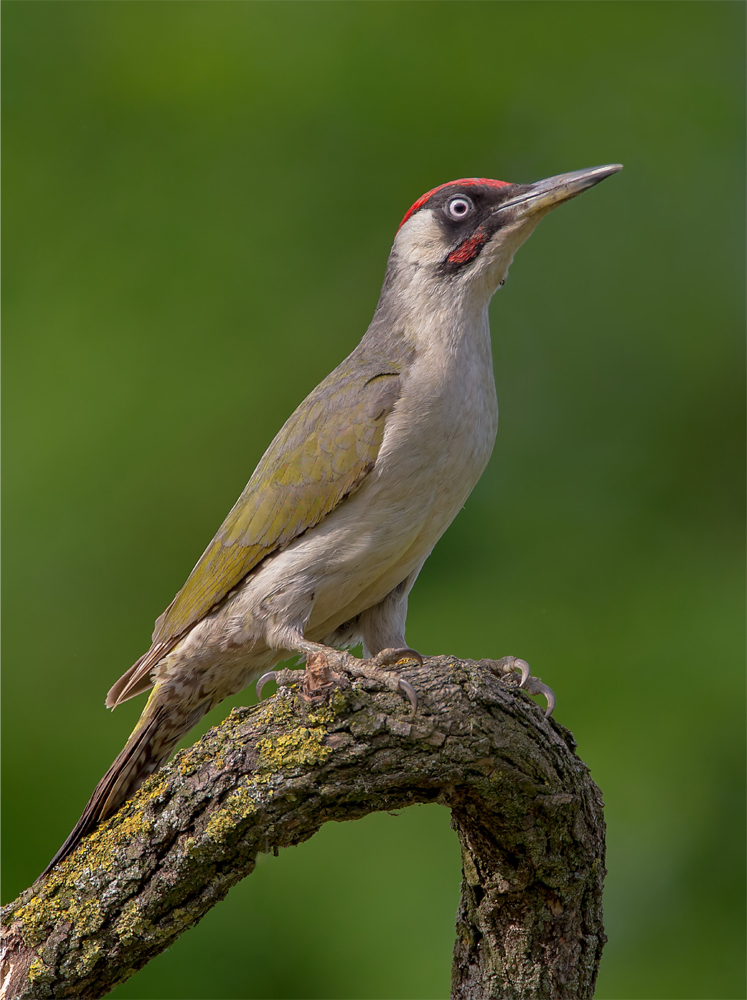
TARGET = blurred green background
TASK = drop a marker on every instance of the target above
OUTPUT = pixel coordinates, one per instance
(199, 202)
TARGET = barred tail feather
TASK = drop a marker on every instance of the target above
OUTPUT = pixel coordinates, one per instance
(135, 763)
(138, 678)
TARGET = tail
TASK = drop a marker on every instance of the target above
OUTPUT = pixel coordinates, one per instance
(144, 752)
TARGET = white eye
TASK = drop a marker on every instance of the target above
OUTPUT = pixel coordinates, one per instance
(459, 207)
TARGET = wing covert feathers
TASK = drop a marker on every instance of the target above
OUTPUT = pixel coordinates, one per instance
(322, 454)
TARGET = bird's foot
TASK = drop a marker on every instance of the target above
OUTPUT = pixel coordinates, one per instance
(371, 668)
(327, 668)
(532, 685)
(317, 680)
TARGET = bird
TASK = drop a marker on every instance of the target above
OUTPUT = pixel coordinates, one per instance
(322, 548)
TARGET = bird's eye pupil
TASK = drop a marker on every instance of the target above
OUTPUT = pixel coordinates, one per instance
(459, 207)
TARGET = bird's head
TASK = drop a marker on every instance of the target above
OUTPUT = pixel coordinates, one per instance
(465, 233)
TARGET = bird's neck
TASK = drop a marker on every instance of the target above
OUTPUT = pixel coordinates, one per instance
(419, 312)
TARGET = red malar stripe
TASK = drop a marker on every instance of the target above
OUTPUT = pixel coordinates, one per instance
(468, 249)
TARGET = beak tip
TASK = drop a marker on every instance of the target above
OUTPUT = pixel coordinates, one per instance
(553, 191)
(597, 174)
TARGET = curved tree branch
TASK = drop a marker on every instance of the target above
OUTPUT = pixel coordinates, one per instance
(528, 817)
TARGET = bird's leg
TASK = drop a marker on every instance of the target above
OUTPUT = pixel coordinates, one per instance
(532, 685)
(325, 665)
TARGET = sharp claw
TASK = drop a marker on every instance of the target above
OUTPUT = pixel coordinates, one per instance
(413, 655)
(407, 688)
(550, 695)
(537, 687)
(509, 665)
(532, 685)
(388, 657)
(523, 666)
(271, 675)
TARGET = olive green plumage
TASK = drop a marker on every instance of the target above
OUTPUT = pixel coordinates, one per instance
(321, 549)
(321, 455)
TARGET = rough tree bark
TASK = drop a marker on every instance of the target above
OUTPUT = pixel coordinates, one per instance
(527, 814)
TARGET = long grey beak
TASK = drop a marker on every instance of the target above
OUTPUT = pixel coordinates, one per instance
(547, 194)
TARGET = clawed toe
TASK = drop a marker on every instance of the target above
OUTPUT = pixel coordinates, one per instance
(281, 677)
(371, 669)
(388, 657)
(325, 669)
(407, 688)
(269, 676)
(532, 685)
(319, 676)
(526, 673)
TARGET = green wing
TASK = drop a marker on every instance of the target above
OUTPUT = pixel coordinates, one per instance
(322, 455)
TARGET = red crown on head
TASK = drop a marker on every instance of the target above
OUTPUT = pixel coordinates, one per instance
(464, 181)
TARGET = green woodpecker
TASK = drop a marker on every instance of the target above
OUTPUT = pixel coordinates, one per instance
(322, 548)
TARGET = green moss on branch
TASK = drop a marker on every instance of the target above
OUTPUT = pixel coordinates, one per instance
(527, 814)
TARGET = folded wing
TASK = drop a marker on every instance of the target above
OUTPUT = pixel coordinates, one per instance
(322, 454)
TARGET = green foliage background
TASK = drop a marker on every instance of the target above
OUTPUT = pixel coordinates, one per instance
(199, 202)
